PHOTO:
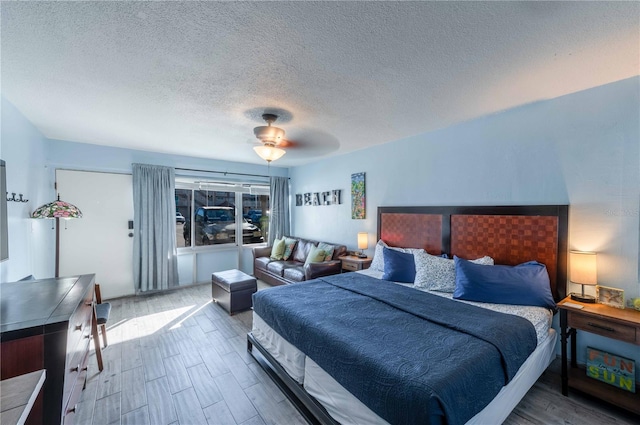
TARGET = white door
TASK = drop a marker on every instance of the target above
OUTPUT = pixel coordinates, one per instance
(99, 242)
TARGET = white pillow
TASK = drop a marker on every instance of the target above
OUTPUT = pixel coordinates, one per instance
(378, 260)
(439, 274)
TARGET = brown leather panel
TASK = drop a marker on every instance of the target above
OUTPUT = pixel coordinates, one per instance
(509, 239)
(301, 252)
(412, 231)
(294, 274)
(278, 267)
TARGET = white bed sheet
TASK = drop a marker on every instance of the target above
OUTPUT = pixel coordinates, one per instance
(289, 357)
(346, 408)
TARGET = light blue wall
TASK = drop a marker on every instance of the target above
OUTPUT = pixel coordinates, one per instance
(31, 163)
(31, 242)
(82, 156)
(581, 149)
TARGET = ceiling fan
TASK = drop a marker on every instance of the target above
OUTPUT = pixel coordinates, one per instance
(271, 137)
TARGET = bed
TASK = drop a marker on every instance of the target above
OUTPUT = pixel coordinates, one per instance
(336, 346)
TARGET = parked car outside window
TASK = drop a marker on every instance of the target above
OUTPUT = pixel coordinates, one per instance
(179, 218)
(253, 216)
(216, 225)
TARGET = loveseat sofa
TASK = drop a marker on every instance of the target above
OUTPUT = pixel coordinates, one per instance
(292, 270)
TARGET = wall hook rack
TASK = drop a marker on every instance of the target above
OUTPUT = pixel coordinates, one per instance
(14, 199)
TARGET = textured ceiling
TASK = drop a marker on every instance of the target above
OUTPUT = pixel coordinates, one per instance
(193, 78)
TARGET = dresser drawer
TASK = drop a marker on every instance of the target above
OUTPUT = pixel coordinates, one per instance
(603, 327)
(76, 364)
(79, 330)
(79, 319)
(71, 403)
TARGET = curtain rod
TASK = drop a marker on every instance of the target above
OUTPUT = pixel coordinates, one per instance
(222, 172)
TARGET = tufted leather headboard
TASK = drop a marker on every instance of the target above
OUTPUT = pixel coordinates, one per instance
(509, 234)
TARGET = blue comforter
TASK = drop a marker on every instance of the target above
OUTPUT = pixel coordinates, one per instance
(410, 356)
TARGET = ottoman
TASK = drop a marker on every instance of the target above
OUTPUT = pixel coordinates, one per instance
(232, 290)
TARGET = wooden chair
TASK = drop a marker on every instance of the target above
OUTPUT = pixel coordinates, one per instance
(101, 313)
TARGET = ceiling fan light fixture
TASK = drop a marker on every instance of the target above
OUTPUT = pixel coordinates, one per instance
(268, 152)
(270, 136)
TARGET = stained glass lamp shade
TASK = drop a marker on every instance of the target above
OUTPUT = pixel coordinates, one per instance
(57, 209)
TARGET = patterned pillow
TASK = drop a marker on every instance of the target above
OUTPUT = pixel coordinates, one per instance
(277, 251)
(378, 257)
(289, 246)
(328, 249)
(439, 274)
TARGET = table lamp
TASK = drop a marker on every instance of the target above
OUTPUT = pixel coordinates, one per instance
(583, 272)
(363, 243)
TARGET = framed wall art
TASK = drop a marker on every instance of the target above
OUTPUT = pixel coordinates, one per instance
(358, 204)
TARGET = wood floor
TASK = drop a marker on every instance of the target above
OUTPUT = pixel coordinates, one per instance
(176, 358)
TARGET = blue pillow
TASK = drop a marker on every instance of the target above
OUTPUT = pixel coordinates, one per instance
(398, 266)
(524, 284)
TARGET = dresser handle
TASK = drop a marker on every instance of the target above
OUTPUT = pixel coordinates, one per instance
(84, 369)
(73, 409)
(75, 369)
(88, 336)
(78, 327)
(89, 304)
(604, 328)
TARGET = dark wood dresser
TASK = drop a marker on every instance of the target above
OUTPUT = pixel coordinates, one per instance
(46, 324)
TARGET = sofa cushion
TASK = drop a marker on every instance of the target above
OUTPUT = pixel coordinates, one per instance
(278, 267)
(289, 247)
(261, 262)
(294, 274)
(302, 250)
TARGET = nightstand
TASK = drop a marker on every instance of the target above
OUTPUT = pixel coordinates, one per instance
(353, 264)
(614, 323)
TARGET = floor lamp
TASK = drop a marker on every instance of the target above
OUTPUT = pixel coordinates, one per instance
(56, 210)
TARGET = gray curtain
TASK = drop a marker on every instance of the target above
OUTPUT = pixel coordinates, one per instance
(279, 210)
(155, 264)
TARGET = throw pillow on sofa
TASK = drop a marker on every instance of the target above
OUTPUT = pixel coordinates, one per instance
(289, 246)
(277, 251)
(316, 255)
(328, 249)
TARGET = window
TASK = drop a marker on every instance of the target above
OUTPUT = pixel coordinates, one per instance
(256, 211)
(183, 213)
(208, 216)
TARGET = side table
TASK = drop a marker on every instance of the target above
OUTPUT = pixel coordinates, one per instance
(614, 323)
(352, 263)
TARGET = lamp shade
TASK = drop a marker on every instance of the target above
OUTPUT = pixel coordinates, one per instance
(583, 268)
(363, 240)
(57, 209)
(269, 153)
